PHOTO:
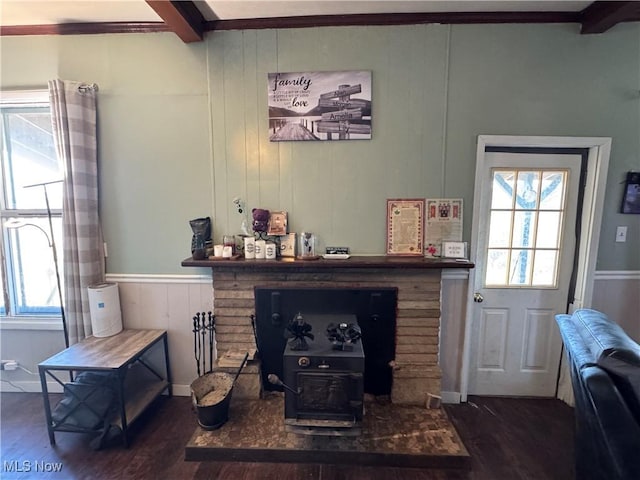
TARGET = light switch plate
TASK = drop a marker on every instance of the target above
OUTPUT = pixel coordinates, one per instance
(621, 234)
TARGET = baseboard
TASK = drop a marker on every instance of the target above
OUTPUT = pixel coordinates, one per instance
(178, 389)
(450, 397)
(182, 390)
(28, 386)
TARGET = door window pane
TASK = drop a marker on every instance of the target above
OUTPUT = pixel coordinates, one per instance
(499, 229)
(524, 224)
(497, 261)
(544, 273)
(552, 197)
(548, 230)
(502, 190)
(520, 267)
(527, 190)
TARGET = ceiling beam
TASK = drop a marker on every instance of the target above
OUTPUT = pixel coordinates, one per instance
(84, 28)
(183, 18)
(601, 16)
(393, 19)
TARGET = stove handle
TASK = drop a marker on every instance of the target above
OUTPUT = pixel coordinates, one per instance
(375, 300)
(276, 318)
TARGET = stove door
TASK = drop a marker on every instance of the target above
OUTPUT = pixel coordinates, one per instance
(329, 396)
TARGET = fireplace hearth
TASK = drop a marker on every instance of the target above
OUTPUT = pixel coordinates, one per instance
(392, 435)
(396, 433)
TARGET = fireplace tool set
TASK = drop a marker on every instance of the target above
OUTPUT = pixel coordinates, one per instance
(203, 331)
(211, 391)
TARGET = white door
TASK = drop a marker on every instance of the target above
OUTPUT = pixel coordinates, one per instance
(524, 261)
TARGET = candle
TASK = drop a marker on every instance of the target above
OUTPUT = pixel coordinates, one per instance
(261, 246)
(249, 247)
(270, 251)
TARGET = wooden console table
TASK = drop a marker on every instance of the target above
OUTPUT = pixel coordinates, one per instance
(116, 355)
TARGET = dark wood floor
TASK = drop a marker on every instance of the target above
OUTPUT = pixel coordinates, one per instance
(507, 438)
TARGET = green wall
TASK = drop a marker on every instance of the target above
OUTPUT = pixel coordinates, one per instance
(183, 129)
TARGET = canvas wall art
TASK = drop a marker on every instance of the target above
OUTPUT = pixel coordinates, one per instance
(319, 106)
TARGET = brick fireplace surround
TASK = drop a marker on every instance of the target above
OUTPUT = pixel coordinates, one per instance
(416, 371)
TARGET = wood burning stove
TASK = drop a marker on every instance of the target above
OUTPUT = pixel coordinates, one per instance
(325, 383)
(374, 308)
(324, 386)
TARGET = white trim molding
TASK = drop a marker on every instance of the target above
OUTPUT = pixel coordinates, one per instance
(616, 275)
(157, 278)
(597, 167)
(453, 274)
(30, 323)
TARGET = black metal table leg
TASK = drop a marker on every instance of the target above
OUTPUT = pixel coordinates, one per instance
(168, 368)
(47, 404)
(122, 406)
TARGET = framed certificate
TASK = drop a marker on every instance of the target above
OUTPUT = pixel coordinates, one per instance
(405, 226)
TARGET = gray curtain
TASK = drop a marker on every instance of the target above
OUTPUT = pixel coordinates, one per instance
(73, 113)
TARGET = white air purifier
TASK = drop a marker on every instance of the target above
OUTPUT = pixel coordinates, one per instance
(104, 307)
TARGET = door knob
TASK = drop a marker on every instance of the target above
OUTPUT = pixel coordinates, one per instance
(478, 298)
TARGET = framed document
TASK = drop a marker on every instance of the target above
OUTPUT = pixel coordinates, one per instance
(405, 226)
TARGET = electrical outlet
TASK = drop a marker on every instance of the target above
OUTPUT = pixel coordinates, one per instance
(9, 365)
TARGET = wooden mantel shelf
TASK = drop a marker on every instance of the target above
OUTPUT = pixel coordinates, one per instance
(355, 261)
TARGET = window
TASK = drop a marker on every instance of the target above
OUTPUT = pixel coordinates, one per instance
(28, 273)
(527, 215)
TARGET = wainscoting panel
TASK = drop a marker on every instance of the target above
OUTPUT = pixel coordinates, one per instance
(168, 303)
(617, 293)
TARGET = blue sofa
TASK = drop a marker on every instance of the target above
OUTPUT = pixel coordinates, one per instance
(605, 373)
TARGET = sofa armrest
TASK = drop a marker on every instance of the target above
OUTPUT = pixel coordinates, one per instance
(578, 353)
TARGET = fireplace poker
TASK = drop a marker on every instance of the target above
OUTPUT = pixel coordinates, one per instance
(211, 327)
(275, 380)
(203, 330)
(244, 361)
(255, 333)
(196, 350)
